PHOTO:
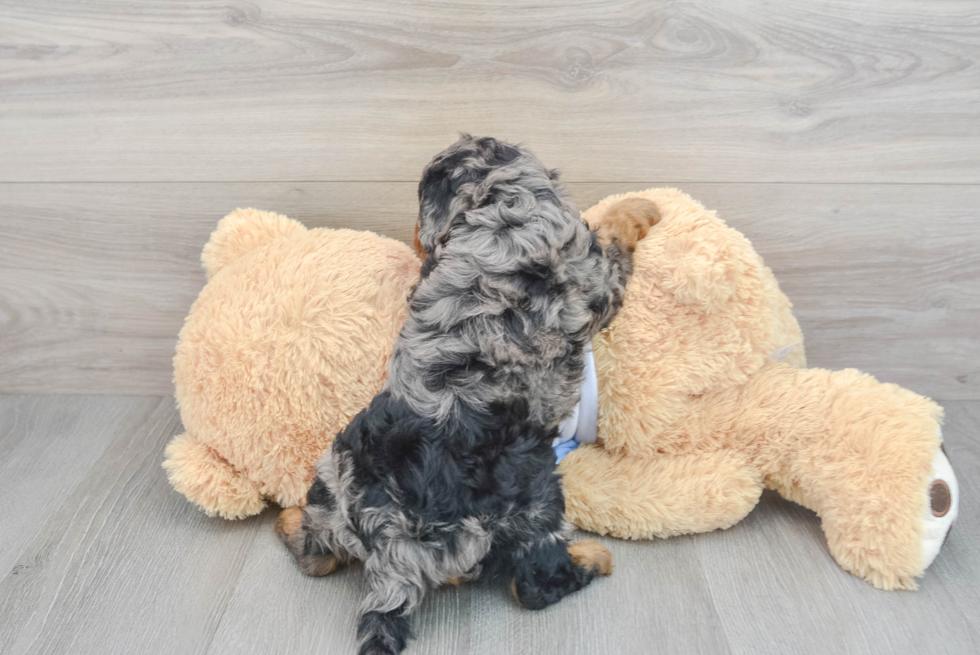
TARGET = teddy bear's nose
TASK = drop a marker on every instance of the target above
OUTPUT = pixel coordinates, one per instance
(940, 498)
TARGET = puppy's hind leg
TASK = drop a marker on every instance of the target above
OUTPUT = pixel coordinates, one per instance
(314, 557)
(306, 532)
(553, 569)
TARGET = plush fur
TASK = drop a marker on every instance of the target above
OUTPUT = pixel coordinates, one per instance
(695, 420)
(691, 434)
(271, 354)
(449, 472)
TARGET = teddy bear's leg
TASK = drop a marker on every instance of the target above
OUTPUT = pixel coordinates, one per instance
(859, 453)
(942, 508)
(209, 481)
(634, 498)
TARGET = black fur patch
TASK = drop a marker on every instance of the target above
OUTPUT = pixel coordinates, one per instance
(383, 633)
(480, 463)
(546, 575)
(320, 495)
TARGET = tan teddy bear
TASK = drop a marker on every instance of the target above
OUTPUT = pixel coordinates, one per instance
(288, 340)
(291, 335)
(696, 417)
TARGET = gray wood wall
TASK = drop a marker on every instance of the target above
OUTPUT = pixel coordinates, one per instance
(843, 138)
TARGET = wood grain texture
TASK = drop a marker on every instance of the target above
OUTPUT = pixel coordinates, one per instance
(48, 445)
(117, 562)
(96, 279)
(111, 560)
(656, 601)
(282, 90)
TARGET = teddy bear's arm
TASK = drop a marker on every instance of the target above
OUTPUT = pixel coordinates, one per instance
(640, 498)
(209, 481)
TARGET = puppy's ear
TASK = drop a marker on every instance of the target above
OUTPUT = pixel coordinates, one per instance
(436, 193)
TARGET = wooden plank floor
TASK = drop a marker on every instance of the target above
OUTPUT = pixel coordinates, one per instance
(100, 555)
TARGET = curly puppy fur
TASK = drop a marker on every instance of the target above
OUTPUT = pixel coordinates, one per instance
(449, 473)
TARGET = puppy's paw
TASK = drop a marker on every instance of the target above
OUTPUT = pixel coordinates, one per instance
(313, 560)
(628, 221)
(591, 555)
(318, 566)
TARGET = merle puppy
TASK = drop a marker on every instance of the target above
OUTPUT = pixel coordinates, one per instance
(449, 473)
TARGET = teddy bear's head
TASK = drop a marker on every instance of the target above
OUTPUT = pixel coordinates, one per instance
(701, 312)
(287, 341)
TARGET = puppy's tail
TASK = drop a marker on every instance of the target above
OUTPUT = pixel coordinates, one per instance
(383, 633)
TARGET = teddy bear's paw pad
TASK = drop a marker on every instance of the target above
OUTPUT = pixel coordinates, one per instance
(942, 508)
(940, 498)
(590, 554)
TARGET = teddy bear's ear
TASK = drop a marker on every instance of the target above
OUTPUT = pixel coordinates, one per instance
(244, 230)
(701, 264)
(704, 267)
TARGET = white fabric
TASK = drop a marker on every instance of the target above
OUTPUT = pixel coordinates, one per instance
(588, 406)
(779, 354)
(581, 424)
(935, 528)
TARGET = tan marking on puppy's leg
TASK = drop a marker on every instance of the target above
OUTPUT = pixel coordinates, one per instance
(289, 522)
(627, 222)
(590, 554)
(417, 244)
(513, 591)
(289, 527)
(453, 581)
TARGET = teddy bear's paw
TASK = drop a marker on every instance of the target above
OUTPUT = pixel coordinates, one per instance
(209, 480)
(942, 508)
